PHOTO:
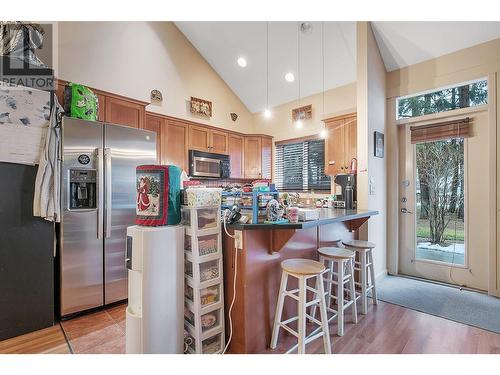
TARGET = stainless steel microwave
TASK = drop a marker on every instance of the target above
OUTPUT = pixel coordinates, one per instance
(208, 165)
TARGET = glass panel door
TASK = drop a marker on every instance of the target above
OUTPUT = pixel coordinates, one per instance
(439, 201)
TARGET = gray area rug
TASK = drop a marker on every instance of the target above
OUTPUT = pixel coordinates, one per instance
(464, 306)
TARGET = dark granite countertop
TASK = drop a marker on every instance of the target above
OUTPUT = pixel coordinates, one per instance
(326, 216)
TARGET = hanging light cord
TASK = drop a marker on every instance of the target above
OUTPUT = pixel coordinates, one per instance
(298, 62)
(323, 59)
(267, 65)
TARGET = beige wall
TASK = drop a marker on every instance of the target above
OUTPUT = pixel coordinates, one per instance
(371, 92)
(479, 61)
(132, 58)
(338, 101)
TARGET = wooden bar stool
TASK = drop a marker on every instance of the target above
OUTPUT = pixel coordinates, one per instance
(302, 269)
(366, 268)
(343, 259)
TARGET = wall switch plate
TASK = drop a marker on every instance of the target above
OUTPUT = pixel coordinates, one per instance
(238, 239)
(371, 185)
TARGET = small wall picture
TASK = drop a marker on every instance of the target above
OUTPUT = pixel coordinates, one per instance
(378, 142)
(156, 97)
(302, 113)
(201, 107)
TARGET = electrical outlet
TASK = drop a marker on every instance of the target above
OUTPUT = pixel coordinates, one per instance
(238, 239)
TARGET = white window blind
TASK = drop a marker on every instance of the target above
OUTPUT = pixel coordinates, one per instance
(301, 166)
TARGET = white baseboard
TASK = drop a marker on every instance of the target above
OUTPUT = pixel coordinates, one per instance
(380, 275)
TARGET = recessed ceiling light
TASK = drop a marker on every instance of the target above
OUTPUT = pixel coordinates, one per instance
(298, 124)
(242, 62)
(267, 113)
(323, 133)
(290, 77)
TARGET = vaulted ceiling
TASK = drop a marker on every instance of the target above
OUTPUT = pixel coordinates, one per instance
(327, 56)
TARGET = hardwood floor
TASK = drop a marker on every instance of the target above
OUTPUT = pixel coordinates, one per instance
(45, 341)
(387, 329)
(392, 329)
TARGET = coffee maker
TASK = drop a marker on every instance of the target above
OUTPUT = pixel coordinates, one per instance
(347, 197)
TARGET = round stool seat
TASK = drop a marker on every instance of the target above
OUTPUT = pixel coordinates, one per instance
(359, 244)
(302, 266)
(336, 252)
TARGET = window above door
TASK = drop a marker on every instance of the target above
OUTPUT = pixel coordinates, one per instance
(465, 95)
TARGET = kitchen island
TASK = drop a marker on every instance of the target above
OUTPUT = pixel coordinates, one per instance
(264, 247)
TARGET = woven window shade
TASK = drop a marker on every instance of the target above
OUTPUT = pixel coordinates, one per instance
(441, 131)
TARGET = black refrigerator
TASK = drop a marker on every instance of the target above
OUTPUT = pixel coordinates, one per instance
(26, 256)
(26, 247)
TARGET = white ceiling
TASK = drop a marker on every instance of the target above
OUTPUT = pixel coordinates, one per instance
(401, 44)
(406, 43)
(220, 43)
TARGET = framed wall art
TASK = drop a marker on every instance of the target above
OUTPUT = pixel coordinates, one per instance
(378, 144)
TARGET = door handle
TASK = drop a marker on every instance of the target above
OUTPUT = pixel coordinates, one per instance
(331, 162)
(405, 211)
(100, 193)
(107, 158)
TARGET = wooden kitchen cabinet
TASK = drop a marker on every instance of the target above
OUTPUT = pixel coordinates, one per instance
(199, 138)
(236, 145)
(253, 157)
(341, 144)
(101, 99)
(267, 157)
(113, 108)
(218, 142)
(175, 144)
(155, 124)
(124, 112)
(208, 140)
(334, 147)
(350, 140)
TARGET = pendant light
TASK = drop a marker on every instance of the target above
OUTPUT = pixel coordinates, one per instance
(267, 111)
(298, 123)
(323, 132)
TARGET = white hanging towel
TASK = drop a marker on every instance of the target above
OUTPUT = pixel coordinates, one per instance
(46, 201)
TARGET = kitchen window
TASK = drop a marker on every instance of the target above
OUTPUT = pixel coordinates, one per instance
(463, 96)
(300, 166)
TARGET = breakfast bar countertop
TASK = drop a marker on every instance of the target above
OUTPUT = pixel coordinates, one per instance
(326, 216)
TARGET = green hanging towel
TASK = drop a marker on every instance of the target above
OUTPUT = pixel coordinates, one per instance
(174, 195)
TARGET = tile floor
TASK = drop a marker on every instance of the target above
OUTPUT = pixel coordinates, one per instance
(97, 333)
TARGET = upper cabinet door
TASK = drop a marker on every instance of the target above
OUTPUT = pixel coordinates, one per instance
(350, 135)
(199, 138)
(101, 113)
(218, 142)
(334, 147)
(253, 157)
(235, 150)
(124, 112)
(154, 123)
(175, 144)
(267, 158)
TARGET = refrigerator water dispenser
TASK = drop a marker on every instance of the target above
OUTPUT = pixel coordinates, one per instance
(82, 189)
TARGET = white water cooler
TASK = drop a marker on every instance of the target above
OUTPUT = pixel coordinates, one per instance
(155, 259)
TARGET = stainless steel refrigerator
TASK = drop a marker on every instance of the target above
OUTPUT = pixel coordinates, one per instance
(98, 200)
